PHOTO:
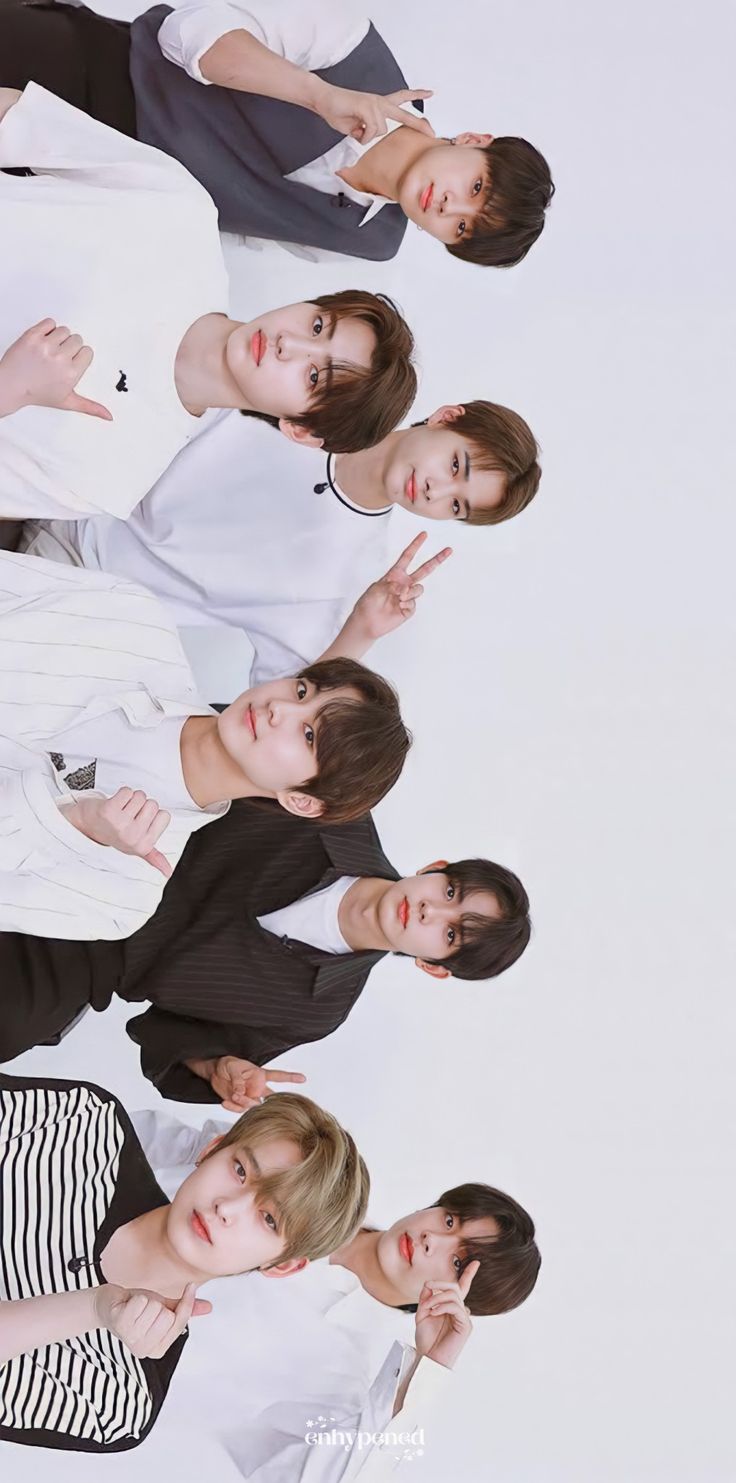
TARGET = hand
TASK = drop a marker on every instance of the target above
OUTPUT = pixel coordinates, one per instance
(443, 1323)
(129, 821)
(241, 1085)
(387, 603)
(147, 1323)
(365, 115)
(41, 369)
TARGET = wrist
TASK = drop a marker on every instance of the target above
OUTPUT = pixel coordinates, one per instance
(10, 399)
(317, 93)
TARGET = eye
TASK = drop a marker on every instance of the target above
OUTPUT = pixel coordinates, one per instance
(301, 689)
(270, 1220)
(313, 375)
(457, 1264)
(477, 188)
(449, 1220)
(456, 507)
(318, 325)
(309, 735)
(450, 935)
(240, 1170)
(455, 464)
(461, 228)
(450, 887)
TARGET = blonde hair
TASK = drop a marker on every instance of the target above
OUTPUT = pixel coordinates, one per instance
(322, 1200)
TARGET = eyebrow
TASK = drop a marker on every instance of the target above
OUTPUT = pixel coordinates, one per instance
(329, 319)
(466, 516)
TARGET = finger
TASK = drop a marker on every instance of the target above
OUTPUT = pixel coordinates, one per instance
(159, 862)
(467, 1276)
(407, 555)
(427, 567)
(183, 1311)
(409, 95)
(136, 1306)
(135, 803)
(75, 403)
(151, 834)
(72, 344)
(122, 797)
(412, 120)
(146, 817)
(42, 328)
(202, 1307)
(56, 336)
(83, 358)
(447, 1309)
(407, 608)
(283, 1075)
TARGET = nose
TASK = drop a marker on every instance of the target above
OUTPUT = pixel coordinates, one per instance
(289, 346)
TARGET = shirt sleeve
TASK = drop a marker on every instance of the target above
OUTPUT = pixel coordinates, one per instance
(404, 1433)
(169, 1143)
(168, 1041)
(51, 137)
(313, 36)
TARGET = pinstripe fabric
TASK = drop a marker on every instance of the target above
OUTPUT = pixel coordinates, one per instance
(218, 982)
(66, 1154)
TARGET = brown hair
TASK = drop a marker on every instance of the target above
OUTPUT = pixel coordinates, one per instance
(517, 195)
(353, 408)
(488, 945)
(322, 1200)
(509, 1262)
(503, 442)
(361, 745)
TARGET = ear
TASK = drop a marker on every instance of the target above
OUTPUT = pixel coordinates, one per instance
(208, 1149)
(445, 414)
(285, 1269)
(304, 805)
(298, 434)
(474, 141)
(435, 970)
(436, 865)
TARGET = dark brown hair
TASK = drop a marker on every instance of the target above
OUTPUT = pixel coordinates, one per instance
(502, 442)
(361, 745)
(509, 1262)
(354, 408)
(518, 192)
(488, 945)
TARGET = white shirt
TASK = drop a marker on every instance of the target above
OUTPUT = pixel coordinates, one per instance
(117, 241)
(81, 647)
(234, 533)
(306, 1353)
(313, 919)
(313, 36)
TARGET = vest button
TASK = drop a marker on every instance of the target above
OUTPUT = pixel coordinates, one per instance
(76, 1264)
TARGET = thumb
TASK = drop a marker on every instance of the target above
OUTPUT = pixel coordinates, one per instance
(159, 862)
(201, 1307)
(76, 403)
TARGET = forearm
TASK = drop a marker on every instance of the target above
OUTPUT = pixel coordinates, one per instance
(205, 1069)
(32, 1323)
(238, 60)
(352, 642)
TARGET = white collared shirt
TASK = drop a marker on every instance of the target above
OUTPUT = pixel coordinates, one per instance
(92, 661)
(234, 533)
(313, 36)
(119, 242)
(313, 919)
(304, 1354)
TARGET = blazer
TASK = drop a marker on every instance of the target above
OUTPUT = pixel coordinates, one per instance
(218, 982)
(241, 146)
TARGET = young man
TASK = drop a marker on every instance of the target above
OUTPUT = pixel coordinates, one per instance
(137, 266)
(99, 1269)
(277, 109)
(109, 760)
(264, 939)
(287, 535)
(359, 1365)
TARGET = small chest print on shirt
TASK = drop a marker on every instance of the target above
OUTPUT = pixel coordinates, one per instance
(122, 384)
(82, 778)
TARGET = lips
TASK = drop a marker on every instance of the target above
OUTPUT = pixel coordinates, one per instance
(425, 200)
(410, 488)
(200, 1228)
(258, 344)
(406, 1247)
(404, 911)
(250, 720)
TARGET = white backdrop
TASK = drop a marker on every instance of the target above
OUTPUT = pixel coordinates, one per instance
(569, 685)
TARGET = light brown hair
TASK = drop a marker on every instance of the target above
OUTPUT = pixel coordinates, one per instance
(518, 191)
(361, 745)
(353, 407)
(503, 442)
(321, 1201)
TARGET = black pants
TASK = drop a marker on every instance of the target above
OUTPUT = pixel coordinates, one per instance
(71, 51)
(45, 982)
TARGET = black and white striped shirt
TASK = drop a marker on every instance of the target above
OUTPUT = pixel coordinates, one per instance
(71, 1172)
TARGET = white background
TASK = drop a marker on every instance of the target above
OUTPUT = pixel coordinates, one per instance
(570, 685)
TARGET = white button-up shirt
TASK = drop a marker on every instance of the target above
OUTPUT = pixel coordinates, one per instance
(80, 646)
(306, 1355)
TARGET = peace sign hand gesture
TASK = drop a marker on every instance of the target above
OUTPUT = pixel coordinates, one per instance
(365, 116)
(240, 1084)
(387, 603)
(443, 1323)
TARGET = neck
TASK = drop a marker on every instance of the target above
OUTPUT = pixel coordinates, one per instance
(360, 1256)
(201, 373)
(210, 774)
(362, 476)
(139, 1255)
(358, 917)
(379, 171)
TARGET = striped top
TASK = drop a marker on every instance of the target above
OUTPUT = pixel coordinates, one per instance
(71, 1172)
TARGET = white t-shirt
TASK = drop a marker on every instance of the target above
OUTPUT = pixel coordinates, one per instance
(105, 754)
(117, 241)
(234, 533)
(313, 919)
